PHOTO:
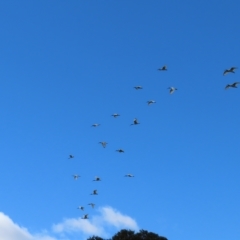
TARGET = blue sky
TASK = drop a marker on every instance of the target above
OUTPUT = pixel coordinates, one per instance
(66, 65)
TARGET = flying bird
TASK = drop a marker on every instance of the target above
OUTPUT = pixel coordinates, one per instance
(96, 125)
(138, 87)
(120, 151)
(94, 192)
(172, 90)
(70, 156)
(80, 208)
(104, 144)
(234, 85)
(163, 68)
(115, 115)
(230, 70)
(135, 122)
(97, 179)
(85, 216)
(151, 102)
(129, 175)
(75, 176)
(92, 205)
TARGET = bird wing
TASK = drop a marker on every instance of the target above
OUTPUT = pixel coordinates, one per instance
(235, 84)
(225, 72)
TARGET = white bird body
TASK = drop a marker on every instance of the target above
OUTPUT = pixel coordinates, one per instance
(104, 144)
(115, 115)
(172, 90)
(92, 205)
(76, 176)
(151, 102)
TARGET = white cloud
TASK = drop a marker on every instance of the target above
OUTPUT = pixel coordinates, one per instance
(117, 219)
(104, 224)
(11, 231)
(107, 219)
(77, 225)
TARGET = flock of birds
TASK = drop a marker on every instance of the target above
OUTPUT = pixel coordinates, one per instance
(136, 122)
(231, 70)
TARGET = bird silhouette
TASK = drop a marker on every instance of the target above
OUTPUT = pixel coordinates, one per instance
(120, 150)
(104, 144)
(129, 175)
(94, 192)
(233, 85)
(97, 179)
(138, 87)
(92, 205)
(163, 68)
(172, 90)
(80, 208)
(85, 216)
(135, 122)
(96, 125)
(76, 176)
(115, 115)
(150, 102)
(230, 70)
